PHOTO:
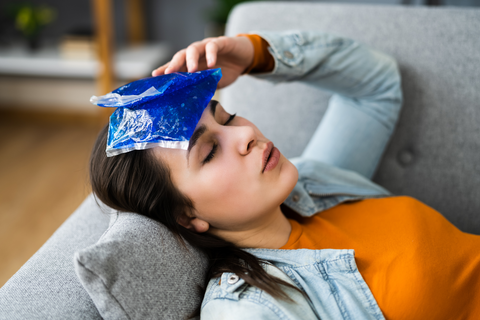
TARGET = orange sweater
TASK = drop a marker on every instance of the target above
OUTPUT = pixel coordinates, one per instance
(415, 262)
(262, 59)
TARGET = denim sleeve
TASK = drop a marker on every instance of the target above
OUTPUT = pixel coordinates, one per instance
(366, 100)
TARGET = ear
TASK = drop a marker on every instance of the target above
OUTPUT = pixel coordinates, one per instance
(193, 223)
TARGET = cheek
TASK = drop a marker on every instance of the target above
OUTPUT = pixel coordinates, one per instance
(225, 194)
(222, 183)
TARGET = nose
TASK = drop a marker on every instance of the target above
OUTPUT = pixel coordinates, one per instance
(245, 139)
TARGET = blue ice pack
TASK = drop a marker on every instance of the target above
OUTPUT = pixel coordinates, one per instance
(158, 111)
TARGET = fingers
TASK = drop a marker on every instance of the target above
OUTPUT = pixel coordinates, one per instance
(198, 55)
(177, 62)
(192, 55)
(160, 70)
(211, 51)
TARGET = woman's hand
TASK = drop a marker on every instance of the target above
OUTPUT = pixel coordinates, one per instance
(232, 54)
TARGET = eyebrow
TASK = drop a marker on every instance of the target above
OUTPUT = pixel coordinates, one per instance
(200, 130)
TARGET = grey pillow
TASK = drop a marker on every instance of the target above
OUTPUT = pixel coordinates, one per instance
(138, 270)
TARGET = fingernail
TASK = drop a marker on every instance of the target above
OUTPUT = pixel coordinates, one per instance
(209, 62)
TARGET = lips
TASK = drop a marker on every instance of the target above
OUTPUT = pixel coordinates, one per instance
(271, 155)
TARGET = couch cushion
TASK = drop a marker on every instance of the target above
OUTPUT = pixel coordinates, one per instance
(139, 270)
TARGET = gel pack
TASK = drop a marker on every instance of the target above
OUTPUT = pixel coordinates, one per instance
(157, 111)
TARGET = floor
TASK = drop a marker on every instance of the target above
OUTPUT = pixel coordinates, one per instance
(43, 179)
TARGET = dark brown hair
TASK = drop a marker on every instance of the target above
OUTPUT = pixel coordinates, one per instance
(138, 182)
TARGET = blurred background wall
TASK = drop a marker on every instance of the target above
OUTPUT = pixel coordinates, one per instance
(48, 126)
(178, 22)
(171, 23)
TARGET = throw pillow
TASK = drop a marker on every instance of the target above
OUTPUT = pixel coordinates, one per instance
(138, 270)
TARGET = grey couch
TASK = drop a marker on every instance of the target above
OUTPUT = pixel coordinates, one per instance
(433, 156)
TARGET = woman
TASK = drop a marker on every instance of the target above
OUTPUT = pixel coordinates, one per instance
(230, 194)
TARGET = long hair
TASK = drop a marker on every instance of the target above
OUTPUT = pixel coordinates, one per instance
(138, 182)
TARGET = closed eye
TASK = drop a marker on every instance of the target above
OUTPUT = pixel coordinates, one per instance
(215, 145)
(230, 119)
(211, 154)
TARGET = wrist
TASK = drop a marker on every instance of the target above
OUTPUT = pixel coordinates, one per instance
(262, 59)
(248, 52)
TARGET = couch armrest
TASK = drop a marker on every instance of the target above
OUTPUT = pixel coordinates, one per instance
(46, 286)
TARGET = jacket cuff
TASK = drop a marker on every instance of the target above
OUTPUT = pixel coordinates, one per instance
(262, 59)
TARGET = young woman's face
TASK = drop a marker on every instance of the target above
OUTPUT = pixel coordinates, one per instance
(230, 172)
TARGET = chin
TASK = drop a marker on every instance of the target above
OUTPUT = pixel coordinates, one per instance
(289, 177)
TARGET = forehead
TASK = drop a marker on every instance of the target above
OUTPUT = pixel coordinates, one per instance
(171, 157)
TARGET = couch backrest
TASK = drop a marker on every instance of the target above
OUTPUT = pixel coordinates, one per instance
(434, 154)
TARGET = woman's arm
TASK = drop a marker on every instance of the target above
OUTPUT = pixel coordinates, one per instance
(367, 96)
(366, 84)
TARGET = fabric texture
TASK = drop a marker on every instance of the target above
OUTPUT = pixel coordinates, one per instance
(409, 255)
(232, 287)
(431, 154)
(139, 270)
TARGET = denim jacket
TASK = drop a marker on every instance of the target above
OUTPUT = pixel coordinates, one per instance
(367, 97)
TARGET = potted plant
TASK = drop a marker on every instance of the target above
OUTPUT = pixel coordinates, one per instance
(30, 19)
